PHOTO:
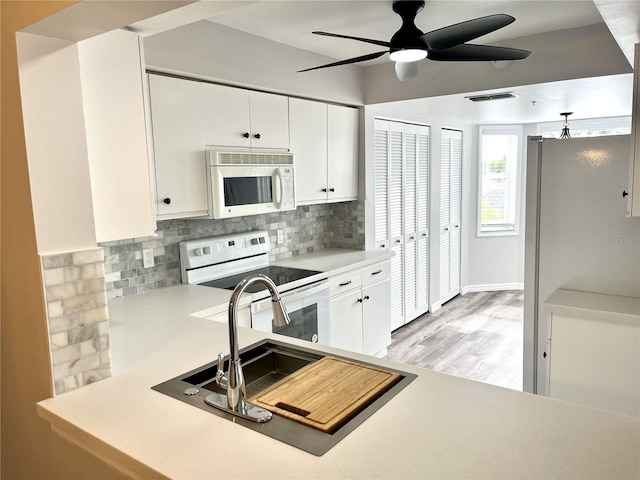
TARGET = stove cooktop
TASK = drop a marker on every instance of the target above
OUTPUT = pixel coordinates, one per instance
(279, 275)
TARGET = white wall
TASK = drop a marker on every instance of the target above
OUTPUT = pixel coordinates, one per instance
(210, 51)
(494, 262)
(56, 144)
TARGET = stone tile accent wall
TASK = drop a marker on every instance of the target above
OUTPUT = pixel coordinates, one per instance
(308, 228)
(78, 318)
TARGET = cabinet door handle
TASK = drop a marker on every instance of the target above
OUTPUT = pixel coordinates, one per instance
(624, 193)
(257, 135)
(324, 190)
(398, 241)
(332, 189)
(412, 238)
(366, 297)
(446, 229)
(376, 273)
(245, 134)
(344, 284)
(360, 300)
(167, 200)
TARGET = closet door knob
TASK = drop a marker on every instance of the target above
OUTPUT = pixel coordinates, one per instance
(257, 135)
(167, 201)
(624, 193)
(245, 134)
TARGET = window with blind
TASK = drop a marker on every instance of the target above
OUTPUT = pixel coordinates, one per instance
(499, 172)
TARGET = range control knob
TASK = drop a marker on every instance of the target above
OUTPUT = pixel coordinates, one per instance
(261, 240)
(199, 252)
(254, 241)
(206, 250)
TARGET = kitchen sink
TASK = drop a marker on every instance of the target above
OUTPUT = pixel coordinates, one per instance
(265, 364)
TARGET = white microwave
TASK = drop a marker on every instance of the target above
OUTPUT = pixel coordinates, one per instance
(250, 183)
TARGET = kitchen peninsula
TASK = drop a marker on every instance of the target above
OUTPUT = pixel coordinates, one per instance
(439, 426)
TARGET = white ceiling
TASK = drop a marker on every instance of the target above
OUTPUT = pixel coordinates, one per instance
(291, 22)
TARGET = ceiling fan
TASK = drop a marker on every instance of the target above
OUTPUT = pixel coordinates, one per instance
(409, 45)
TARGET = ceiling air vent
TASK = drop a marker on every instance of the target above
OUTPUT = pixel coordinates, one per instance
(492, 96)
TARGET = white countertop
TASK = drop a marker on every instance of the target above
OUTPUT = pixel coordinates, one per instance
(612, 308)
(335, 261)
(438, 427)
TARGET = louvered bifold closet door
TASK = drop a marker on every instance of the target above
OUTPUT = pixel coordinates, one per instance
(450, 190)
(422, 219)
(396, 222)
(401, 183)
(410, 221)
(456, 213)
(381, 182)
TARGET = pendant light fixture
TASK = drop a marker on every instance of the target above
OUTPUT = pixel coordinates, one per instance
(565, 126)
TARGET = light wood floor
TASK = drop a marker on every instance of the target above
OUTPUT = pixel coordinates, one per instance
(476, 336)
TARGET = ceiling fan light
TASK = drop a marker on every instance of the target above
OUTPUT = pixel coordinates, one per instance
(408, 55)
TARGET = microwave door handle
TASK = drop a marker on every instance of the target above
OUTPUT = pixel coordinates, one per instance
(278, 188)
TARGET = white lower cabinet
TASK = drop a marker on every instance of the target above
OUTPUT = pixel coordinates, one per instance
(361, 310)
(593, 353)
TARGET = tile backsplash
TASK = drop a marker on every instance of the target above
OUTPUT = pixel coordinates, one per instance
(306, 229)
(78, 318)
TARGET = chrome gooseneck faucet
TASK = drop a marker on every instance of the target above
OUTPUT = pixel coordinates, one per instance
(233, 381)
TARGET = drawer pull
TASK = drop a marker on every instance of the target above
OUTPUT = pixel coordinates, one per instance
(345, 283)
(376, 273)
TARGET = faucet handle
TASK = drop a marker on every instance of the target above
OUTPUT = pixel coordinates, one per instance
(221, 378)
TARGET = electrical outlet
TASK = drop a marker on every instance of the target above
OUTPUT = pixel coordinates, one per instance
(147, 258)
(279, 237)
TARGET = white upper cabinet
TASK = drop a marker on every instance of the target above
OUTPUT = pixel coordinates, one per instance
(111, 72)
(269, 120)
(177, 119)
(226, 116)
(235, 117)
(309, 145)
(324, 139)
(342, 137)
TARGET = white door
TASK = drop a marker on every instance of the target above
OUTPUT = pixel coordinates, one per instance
(177, 120)
(450, 213)
(269, 115)
(401, 178)
(309, 145)
(226, 115)
(342, 153)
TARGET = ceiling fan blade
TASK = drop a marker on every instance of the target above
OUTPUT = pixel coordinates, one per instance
(463, 32)
(360, 39)
(363, 58)
(477, 53)
(406, 70)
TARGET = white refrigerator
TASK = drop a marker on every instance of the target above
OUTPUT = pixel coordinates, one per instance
(577, 236)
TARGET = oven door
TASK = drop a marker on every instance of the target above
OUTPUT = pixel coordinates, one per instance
(308, 309)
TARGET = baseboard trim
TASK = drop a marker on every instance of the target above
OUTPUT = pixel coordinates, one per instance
(435, 307)
(492, 287)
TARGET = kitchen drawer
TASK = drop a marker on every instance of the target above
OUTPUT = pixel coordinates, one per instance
(345, 282)
(375, 273)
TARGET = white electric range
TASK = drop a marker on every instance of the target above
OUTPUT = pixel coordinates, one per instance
(222, 261)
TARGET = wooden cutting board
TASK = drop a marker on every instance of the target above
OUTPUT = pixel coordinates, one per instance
(327, 393)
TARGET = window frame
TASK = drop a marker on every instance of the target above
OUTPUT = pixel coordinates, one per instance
(504, 230)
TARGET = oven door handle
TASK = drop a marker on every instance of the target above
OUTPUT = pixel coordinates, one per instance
(292, 296)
